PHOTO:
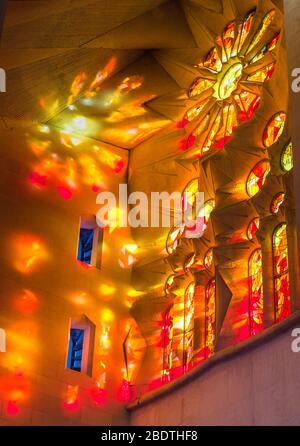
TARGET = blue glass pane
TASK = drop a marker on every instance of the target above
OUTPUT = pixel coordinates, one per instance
(85, 245)
(75, 349)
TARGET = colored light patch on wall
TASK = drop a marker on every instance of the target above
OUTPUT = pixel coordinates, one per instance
(29, 253)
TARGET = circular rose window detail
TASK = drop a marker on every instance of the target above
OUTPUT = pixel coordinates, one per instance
(228, 89)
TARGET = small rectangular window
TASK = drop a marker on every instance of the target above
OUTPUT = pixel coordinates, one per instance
(81, 345)
(90, 241)
(75, 349)
(85, 245)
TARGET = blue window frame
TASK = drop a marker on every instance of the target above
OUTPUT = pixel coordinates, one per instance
(75, 349)
(85, 245)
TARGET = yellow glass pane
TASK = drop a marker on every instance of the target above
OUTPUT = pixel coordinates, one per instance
(257, 177)
(230, 80)
(277, 202)
(287, 158)
(266, 22)
(245, 30)
(256, 310)
(274, 129)
(266, 48)
(199, 85)
(263, 74)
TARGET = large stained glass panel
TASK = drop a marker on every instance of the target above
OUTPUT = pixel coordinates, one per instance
(256, 315)
(188, 341)
(281, 273)
(210, 317)
(222, 86)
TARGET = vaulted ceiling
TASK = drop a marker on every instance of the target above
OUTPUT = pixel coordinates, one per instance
(58, 53)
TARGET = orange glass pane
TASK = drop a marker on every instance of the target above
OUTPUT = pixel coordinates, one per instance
(281, 274)
(194, 112)
(189, 262)
(211, 135)
(257, 177)
(263, 74)
(253, 227)
(255, 293)
(212, 61)
(210, 318)
(245, 30)
(208, 258)
(229, 123)
(266, 22)
(274, 129)
(173, 238)
(189, 310)
(277, 202)
(248, 103)
(169, 283)
(199, 86)
(226, 41)
(266, 48)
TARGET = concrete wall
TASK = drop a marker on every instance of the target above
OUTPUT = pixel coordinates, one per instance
(257, 387)
(43, 286)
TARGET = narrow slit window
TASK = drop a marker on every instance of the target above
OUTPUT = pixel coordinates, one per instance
(76, 348)
(90, 240)
(85, 247)
(81, 345)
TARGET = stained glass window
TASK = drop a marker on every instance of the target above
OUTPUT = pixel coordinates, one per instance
(256, 314)
(277, 202)
(274, 129)
(253, 227)
(169, 284)
(205, 212)
(286, 159)
(195, 111)
(281, 273)
(75, 349)
(248, 103)
(199, 85)
(230, 80)
(266, 48)
(266, 22)
(189, 309)
(210, 317)
(173, 238)
(189, 262)
(223, 101)
(167, 333)
(262, 74)
(212, 61)
(208, 258)
(189, 196)
(257, 177)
